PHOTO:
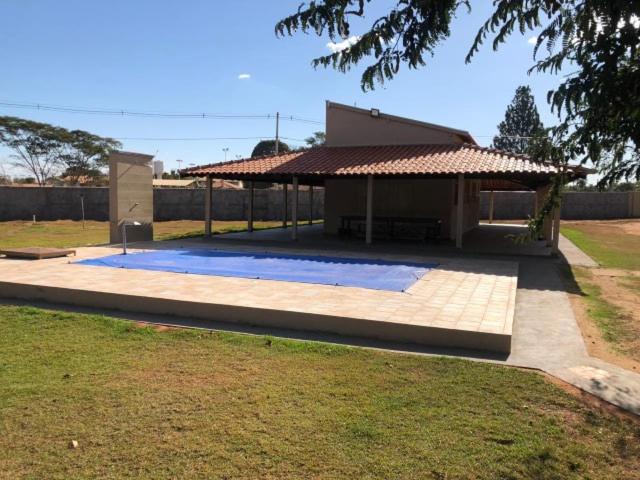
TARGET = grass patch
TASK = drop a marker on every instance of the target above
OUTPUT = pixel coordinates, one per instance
(67, 233)
(607, 243)
(195, 404)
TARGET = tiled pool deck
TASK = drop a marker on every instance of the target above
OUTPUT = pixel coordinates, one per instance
(464, 303)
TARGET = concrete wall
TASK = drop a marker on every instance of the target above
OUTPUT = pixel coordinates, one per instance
(188, 204)
(349, 126)
(575, 205)
(63, 203)
(410, 198)
(53, 203)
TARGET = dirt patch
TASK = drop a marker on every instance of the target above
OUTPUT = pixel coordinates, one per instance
(597, 346)
(628, 226)
(614, 291)
(156, 327)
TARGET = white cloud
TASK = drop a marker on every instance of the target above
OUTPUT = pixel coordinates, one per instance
(244, 76)
(340, 46)
(532, 40)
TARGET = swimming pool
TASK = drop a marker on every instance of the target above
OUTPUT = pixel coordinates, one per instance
(340, 271)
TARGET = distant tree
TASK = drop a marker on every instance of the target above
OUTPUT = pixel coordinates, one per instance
(37, 147)
(521, 122)
(85, 153)
(24, 180)
(626, 187)
(268, 147)
(316, 140)
(44, 150)
(173, 175)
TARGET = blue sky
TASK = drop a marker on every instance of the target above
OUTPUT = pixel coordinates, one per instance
(186, 57)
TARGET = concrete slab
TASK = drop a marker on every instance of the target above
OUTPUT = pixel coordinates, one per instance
(464, 303)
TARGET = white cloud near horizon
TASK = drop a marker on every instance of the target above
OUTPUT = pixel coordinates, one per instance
(244, 76)
(340, 46)
(532, 40)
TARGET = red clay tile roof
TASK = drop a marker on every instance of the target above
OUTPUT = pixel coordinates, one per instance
(380, 160)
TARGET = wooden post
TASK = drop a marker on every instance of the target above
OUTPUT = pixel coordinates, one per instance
(369, 221)
(460, 210)
(250, 219)
(555, 249)
(207, 206)
(491, 206)
(294, 210)
(310, 204)
(285, 211)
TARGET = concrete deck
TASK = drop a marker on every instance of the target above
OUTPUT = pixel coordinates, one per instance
(485, 239)
(464, 303)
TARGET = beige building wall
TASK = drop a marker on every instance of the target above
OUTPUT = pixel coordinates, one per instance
(350, 126)
(429, 198)
(404, 198)
(130, 196)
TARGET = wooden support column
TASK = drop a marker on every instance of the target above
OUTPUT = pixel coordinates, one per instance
(294, 210)
(460, 210)
(491, 206)
(285, 209)
(250, 217)
(207, 206)
(369, 220)
(555, 249)
(310, 204)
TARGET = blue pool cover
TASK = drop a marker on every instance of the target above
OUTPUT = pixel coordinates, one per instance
(350, 272)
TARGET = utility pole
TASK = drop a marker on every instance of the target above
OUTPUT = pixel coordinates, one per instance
(225, 150)
(277, 132)
(179, 166)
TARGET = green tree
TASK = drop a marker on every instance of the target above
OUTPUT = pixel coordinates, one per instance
(597, 102)
(37, 147)
(521, 123)
(316, 140)
(268, 147)
(85, 153)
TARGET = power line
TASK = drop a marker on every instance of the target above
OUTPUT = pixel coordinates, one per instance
(189, 139)
(203, 139)
(133, 113)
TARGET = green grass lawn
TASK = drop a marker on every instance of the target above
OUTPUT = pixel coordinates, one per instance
(67, 233)
(195, 404)
(606, 242)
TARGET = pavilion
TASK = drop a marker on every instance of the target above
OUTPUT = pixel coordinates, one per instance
(382, 171)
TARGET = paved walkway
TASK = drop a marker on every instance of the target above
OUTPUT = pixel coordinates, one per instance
(546, 336)
(573, 255)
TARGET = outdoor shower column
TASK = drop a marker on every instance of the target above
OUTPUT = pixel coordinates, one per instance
(250, 219)
(460, 210)
(207, 206)
(369, 220)
(294, 210)
(285, 211)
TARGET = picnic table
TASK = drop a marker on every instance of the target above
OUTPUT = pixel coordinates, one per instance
(392, 226)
